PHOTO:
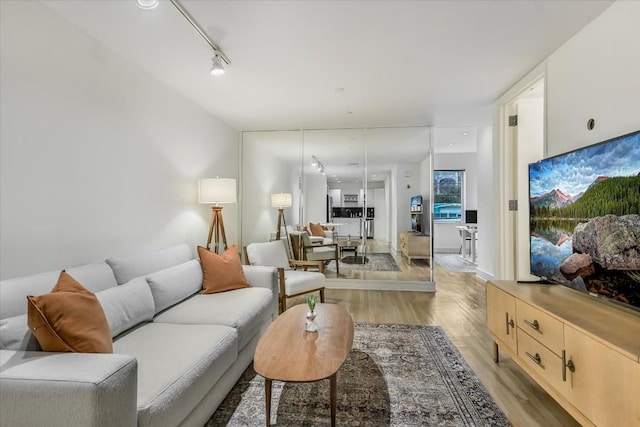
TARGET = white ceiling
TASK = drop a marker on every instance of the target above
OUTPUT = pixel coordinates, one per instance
(400, 63)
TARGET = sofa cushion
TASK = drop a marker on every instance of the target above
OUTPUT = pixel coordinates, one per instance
(221, 273)
(297, 281)
(13, 292)
(67, 389)
(177, 366)
(172, 285)
(129, 267)
(15, 335)
(69, 318)
(243, 309)
(127, 305)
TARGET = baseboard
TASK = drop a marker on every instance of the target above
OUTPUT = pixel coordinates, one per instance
(484, 275)
(381, 285)
(446, 251)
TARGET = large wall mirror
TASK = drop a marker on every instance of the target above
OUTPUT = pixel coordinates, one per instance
(369, 189)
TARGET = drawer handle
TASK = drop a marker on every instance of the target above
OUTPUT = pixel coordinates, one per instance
(566, 364)
(535, 325)
(508, 322)
(535, 358)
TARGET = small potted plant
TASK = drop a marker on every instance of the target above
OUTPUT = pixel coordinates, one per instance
(310, 325)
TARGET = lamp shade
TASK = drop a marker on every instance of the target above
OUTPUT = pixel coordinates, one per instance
(281, 200)
(217, 190)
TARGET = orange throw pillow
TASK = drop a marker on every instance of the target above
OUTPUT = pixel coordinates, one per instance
(316, 229)
(221, 273)
(69, 318)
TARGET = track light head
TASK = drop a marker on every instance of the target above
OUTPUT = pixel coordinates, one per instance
(217, 69)
(317, 164)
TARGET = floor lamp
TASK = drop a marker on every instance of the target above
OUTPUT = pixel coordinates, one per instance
(216, 191)
(281, 201)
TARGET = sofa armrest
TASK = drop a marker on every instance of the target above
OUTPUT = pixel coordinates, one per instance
(264, 277)
(66, 389)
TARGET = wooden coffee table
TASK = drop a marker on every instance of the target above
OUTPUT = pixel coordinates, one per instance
(287, 353)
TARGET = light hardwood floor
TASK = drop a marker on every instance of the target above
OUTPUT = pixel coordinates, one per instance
(459, 307)
(417, 270)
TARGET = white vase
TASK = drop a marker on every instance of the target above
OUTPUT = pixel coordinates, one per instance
(310, 325)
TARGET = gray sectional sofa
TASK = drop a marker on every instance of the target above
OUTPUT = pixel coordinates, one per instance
(176, 355)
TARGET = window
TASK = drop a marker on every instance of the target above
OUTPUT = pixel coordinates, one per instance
(447, 199)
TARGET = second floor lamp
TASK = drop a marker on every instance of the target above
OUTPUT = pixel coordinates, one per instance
(217, 191)
(281, 201)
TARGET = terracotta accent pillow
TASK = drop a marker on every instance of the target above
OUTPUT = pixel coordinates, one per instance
(69, 318)
(316, 230)
(221, 273)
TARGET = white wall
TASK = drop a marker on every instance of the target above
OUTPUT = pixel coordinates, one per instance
(315, 198)
(381, 214)
(262, 175)
(97, 157)
(486, 205)
(446, 236)
(595, 75)
(426, 185)
(403, 187)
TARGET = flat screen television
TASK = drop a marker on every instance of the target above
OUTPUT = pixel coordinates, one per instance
(584, 209)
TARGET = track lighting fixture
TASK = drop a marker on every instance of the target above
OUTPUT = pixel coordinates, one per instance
(218, 55)
(316, 164)
(217, 69)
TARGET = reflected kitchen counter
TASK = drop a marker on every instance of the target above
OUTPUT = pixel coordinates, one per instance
(350, 227)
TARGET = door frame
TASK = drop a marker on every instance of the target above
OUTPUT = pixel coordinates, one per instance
(505, 187)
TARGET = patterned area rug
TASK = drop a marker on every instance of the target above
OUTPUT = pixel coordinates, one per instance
(396, 375)
(453, 263)
(374, 262)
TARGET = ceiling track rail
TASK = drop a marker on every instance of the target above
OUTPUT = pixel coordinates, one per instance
(200, 31)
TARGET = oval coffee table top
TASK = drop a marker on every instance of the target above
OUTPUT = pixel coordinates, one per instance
(286, 352)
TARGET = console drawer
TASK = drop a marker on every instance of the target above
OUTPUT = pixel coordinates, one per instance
(541, 360)
(539, 325)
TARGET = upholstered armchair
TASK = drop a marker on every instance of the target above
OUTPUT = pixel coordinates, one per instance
(306, 250)
(292, 282)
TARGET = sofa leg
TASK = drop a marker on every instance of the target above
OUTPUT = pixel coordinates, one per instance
(322, 295)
